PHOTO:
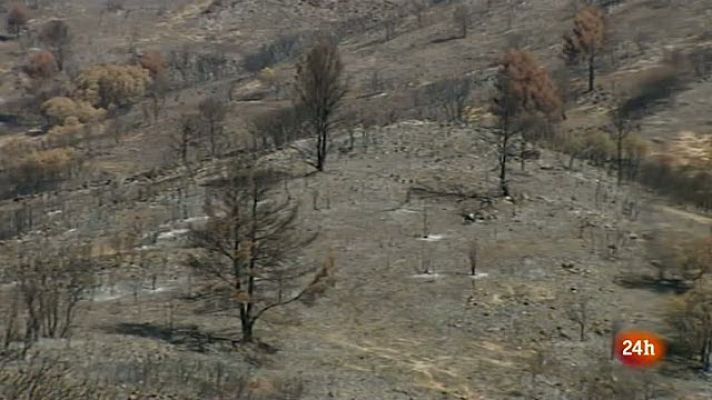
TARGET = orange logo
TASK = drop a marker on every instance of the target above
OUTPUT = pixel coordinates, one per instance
(639, 348)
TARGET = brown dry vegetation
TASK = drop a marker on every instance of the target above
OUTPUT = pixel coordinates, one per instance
(41, 65)
(112, 85)
(17, 18)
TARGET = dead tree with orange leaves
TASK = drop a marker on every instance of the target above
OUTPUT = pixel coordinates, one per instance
(522, 89)
(586, 40)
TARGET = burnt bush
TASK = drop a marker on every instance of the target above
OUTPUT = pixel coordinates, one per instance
(37, 171)
(449, 97)
(41, 65)
(684, 183)
(279, 127)
(701, 62)
(649, 89)
(284, 48)
(51, 281)
(187, 65)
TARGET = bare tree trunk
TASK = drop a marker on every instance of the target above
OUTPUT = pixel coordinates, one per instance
(425, 220)
(321, 149)
(245, 324)
(212, 139)
(324, 144)
(619, 156)
(571, 161)
(591, 70)
(473, 256)
(503, 161)
(11, 321)
(249, 319)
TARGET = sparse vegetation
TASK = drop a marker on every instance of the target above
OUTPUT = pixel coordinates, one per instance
(55, 35)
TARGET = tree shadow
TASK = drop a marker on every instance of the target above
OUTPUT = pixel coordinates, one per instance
(189, 337)
(445, 39)
(658, 285)
(192, 338)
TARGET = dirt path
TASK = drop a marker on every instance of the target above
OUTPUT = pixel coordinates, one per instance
(686, 214)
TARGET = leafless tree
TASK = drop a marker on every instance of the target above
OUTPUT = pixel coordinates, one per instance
(157, 92)
(17, 18)
(579, 313)
(280, 127)
(246, 250)
(462, 18)
(376, 82)
(56, 36)
(44, 377)
(539, 362)
(419, 7)
(473, 254)
(11, 314)
(390, 24)
(186, 136)
(451, 96)
(511, 10)
(50, 283)
(114, 5)
(320, 89)
(623, 125)
(213, 111)
(533, 128)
